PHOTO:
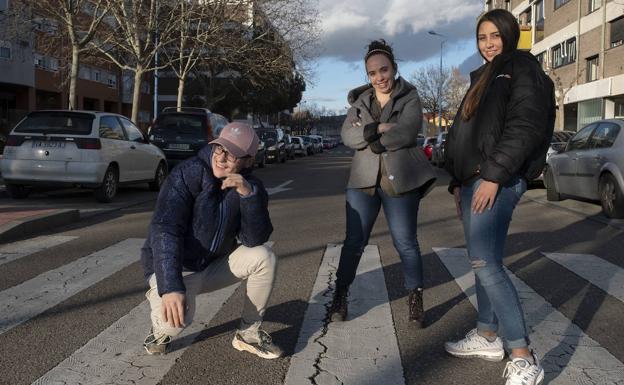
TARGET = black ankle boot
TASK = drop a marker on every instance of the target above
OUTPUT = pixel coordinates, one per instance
(415, 303)
(338, 309)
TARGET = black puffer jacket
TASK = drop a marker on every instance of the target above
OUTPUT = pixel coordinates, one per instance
(195, 222)
(513, 124)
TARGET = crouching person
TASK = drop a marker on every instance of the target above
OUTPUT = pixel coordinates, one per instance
(208, 205)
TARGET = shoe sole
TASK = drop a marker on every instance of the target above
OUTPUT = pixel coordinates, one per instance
(154, 353)
(248, 348)
(494, 357)
(540, 378)
(337, 318)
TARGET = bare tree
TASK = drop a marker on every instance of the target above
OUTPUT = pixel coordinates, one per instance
(135, 31)
(455, 90)
(431, 84)
(562, 87)
(77, 19)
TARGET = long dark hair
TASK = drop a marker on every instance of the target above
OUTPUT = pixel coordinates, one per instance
(509, 30)
(380, 47)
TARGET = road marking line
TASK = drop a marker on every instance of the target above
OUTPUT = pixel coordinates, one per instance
(278, 189)
(116, 355)
(601, 273)
(569, 355)
(23, 302)
(362, 350)
(16, 250)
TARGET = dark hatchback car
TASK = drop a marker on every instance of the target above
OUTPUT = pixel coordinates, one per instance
(273, 139)
(180, 134)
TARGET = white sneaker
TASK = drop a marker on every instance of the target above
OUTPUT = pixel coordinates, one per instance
(520, 371)
(260, 345)
(474, 345)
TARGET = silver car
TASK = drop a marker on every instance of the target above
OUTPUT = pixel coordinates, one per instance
(97, 150)
(590, 167)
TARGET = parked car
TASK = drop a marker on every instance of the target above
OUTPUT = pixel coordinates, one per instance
(590, 167)
(557, 144)
(97, 150)
(299, 146)
(318, 142)
(428, 146)
(289, 146)
(261, 155)
(273, 139)
(309, 143)
(180, 134)
(437, 155)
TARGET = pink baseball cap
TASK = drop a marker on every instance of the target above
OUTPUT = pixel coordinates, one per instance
(239, 139)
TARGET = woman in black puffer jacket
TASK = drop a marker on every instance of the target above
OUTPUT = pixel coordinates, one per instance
(498, 141)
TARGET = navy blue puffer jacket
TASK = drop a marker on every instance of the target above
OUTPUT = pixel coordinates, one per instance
(195, 222)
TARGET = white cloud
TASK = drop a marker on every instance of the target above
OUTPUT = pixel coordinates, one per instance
(349, 25)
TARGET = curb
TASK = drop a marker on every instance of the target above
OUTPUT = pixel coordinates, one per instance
(28, 226)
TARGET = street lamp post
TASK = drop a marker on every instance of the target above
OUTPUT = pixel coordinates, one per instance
(434, 33)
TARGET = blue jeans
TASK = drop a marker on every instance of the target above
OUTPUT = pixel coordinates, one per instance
(485, 234)
(401, 213)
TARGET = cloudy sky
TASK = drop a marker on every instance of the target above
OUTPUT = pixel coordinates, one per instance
(349, 25)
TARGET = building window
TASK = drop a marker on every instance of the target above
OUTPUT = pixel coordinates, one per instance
(541, 58)
(112, 81)
(46, 62)
(559, 3)
(539, 21)
(617, 31)
(508, 5)
(5, 50)
(564, 53)
(592, 68)
(4, 5)
(525, 17)
(594, 5)
(488, 4)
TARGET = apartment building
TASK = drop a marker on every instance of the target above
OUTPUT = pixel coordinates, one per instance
(34, 78)
(580, 45)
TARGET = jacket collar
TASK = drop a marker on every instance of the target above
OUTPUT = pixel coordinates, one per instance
(361, 95)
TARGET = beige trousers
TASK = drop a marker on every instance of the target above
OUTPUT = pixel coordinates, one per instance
(256, 265)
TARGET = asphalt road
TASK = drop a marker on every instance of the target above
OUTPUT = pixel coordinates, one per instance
(307, 210)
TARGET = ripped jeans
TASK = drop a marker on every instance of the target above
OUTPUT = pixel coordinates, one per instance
(498, 304)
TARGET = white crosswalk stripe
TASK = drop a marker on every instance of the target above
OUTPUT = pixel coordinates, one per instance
(568, 355)
(362, 350)
(599, 272)
(16, 250)
(22, 302)
(116, 356)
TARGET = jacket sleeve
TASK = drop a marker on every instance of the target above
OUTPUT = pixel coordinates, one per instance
(256, 224)
(524, 116)
(169, 224)
(449, 162)
(351, 133)
(405, 133)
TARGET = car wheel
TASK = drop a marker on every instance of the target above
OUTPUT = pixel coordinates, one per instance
(18, 191)
(107, 191)
(159, 177)
(551, 190)
(611, 197)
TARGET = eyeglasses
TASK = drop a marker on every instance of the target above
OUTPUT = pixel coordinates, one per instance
(219, 150)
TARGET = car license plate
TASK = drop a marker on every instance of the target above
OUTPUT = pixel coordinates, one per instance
(48, 144)
(178, 146)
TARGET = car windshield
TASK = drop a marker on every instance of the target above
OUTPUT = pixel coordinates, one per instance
(305, 139)
(181, 126)
(56, 122)
(268, 136)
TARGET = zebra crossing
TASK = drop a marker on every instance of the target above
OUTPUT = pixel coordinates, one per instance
(363, 350)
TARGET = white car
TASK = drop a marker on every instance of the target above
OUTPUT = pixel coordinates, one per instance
(299, 146)
(97, 150)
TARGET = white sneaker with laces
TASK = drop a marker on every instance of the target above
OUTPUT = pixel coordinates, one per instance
(261, 344)
(474, 345)
(519, 371)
